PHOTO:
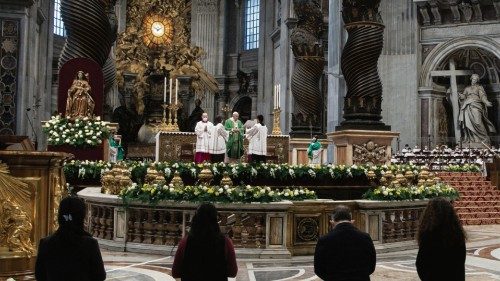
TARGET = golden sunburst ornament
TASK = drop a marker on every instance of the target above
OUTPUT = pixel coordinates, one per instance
(157, 30)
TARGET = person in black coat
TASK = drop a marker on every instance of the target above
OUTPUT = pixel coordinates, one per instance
(441, 241)
(70, 254)
(345, 253)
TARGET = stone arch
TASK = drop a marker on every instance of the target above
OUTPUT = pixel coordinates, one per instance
(237, 101)
(441, 52)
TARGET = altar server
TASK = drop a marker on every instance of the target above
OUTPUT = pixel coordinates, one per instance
(314, 151)
(257, 137)
(218, 139)
(202, 130)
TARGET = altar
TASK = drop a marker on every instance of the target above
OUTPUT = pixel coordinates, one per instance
(180, 147)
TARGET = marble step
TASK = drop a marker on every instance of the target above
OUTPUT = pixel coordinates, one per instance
(467, 213)
(484, 203)
(483, 221)
(480, 193)
(479, 198)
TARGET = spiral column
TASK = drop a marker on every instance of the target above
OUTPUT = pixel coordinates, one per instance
(91, 34)
(359, 63)
(309, 65)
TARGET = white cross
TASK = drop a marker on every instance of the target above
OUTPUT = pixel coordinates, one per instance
(453, 73)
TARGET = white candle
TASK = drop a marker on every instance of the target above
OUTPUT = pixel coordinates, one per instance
(274, 97)
(176, 89)
(165, 90)
(170, 93)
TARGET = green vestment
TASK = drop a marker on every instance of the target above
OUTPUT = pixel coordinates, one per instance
(313, 146)
(234, 144)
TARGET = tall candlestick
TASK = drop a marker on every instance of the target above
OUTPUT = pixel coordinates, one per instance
(176, 89)
(170, 94)
(278, 98)
(165, 90)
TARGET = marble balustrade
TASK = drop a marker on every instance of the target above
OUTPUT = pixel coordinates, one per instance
(258, 230)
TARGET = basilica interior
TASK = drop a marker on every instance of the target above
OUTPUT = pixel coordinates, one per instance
(100, 99)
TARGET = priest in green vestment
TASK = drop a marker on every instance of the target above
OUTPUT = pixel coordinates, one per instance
(313, 151)
(234, 144)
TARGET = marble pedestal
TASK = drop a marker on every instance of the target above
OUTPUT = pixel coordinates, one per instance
(362, 146)
(298, 148)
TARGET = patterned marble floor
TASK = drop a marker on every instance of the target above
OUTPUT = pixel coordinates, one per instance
(482, 264)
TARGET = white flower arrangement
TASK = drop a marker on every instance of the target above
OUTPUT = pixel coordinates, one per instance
(79, 132)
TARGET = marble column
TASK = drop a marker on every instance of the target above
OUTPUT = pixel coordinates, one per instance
(336, 82)
(207, 24)
(26, 38)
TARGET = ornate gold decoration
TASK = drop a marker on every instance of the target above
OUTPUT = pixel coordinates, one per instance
(178, 57)
(80, 103)
(116, 179)
(369, 153)
(56, 199)
(205, 175)
(15, 214)
(177, 180)
(226, 180)
(276, 122)
(157, 29)
(153, 176)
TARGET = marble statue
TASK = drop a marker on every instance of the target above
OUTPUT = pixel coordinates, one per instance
(473, 113)
(79, 102)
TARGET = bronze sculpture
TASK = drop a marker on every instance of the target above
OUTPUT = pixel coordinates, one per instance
(79, 103)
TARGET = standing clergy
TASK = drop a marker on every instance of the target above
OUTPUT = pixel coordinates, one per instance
(202, 130)
(314, 151)
(234, 146)
(257, 137)
(218, 139)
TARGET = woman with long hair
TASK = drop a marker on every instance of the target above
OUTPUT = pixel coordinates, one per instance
(205, 254)
(70, 253)
(441, 241)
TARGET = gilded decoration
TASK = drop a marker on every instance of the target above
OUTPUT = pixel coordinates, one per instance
(16, 215)
(118, 178)
(369, 153)
(157, 41)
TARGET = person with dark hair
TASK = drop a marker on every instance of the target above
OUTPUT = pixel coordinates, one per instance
(441, 240)
(218, 139)
(70, 253)
(205, 253)
(257, 141)
(195, 116)
(345, 253)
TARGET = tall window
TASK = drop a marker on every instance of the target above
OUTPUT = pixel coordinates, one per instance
(252, 8)
(58, 22)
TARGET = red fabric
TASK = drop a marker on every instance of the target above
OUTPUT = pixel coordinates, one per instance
(232, 266)
(88, 153)
(201, 157)
(67, 74)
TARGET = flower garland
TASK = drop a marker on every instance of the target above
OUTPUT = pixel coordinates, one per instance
(391, 193)
(78, 132)
(154, 193)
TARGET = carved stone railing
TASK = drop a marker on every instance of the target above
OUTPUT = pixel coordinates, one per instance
(277, 230)
(437, 12)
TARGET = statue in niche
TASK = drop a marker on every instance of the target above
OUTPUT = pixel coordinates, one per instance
(80, 103)
(473, 113)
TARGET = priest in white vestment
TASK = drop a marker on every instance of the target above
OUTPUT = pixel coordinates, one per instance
(202, 130)
(257, 137)
(218, 139)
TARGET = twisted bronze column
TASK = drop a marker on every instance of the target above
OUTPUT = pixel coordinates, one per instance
(309, 65)
(363, 102)
(91, 33)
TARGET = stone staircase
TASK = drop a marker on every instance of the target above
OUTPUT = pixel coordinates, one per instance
(479, 201)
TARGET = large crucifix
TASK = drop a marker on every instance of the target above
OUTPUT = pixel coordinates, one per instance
(453, 73)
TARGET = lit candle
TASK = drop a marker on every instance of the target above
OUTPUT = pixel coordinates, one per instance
(170, 93)
(176, 89)
(165, 90)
